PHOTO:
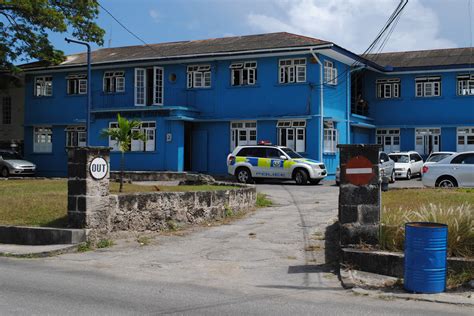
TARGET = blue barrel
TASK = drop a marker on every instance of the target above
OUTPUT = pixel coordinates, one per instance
(425, 257)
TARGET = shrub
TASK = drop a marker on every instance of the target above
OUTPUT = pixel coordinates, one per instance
(460, 221)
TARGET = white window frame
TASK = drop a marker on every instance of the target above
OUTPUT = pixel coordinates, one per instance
(158, 85)
(292, 70)
(465, 84)
(76, 136)
(246, 71)
(147, 127)
(116, 83)
(330, 73)
(467, 135)
(248, 129)
(140, 87)
(295, 134)
(392, 135)
(43, 139)
(427, 87)
(79, 82)
(198, 76)
(330, 138)
(388, 88)
(43, 86)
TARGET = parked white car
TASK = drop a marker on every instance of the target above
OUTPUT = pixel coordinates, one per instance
(436, 156)
(454, 171)
(407, 164)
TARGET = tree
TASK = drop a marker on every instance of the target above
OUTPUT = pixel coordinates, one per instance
(123, 135)
(24, 27)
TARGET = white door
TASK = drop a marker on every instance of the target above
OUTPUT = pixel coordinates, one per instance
(390, 143)
(427, 140)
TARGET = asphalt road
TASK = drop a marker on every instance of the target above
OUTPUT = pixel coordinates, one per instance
(270, 263)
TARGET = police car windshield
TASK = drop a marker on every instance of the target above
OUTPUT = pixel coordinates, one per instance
(291, 153)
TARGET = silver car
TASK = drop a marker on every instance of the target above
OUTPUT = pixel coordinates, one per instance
(386, 167)
(454, 171)
(11, 163)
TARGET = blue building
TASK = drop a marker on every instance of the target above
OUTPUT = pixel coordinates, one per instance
(197, 100)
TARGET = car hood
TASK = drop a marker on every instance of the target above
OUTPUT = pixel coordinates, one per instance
(19, 162)
(307, 161)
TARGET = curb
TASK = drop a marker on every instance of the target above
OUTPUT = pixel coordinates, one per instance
(42, 254)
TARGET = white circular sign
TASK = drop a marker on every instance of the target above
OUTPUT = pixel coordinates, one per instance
(98, 168)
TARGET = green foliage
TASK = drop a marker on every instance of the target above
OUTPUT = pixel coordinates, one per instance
(228, 211)
(263, 201)
(460, 221)
(104, 243)
(172, 225)
(85, 246)
(24, 27)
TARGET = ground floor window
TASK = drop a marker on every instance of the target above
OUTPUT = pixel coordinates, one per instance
(330, 138)
(243, 133)
(465, 139)
(389, 139)
(427, 140)
(147, 128)
(43, 139)
(292, 134)
(76, 136)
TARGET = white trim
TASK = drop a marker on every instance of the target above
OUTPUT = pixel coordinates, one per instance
(162, 85)
(144, 87)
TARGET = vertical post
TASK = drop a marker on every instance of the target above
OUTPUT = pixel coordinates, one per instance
(359, 194)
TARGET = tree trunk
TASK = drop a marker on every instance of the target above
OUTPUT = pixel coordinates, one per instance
(122, 167)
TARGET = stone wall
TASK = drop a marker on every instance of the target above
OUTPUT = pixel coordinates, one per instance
(156, 211)
(163, 176)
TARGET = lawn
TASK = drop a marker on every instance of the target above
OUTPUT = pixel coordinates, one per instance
(44, 202)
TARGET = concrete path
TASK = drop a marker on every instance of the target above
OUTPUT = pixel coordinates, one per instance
(269, 263)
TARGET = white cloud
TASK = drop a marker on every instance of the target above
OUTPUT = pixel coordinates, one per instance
(354, 24)
(155, 15)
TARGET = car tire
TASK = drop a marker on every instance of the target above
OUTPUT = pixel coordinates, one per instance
(5, 173)
(408, 174)
(315, 181)
(301, 177)
(446, 182)
(392, 177)
(243, 175)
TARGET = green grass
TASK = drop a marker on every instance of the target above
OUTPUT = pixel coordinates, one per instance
(44, 202)
(263, 201)
(452, 207)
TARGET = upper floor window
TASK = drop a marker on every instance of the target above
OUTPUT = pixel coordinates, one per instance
(292, 134)
(199, 76)
(388, 88)
(6, 110)
(330, 137)
(292, 70)
(76, 84)
(114, 81)
(244, 73)
(428, 86)
(149, 86)
(466, 84)
(43, 140)
(44, 86)
(76, 136)
(330, 73)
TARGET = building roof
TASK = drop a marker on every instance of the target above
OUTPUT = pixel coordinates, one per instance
(424, 58)
(190, 48)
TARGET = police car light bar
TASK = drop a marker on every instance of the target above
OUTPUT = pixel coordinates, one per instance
(264, 142)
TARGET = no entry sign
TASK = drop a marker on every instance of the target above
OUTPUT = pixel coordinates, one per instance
(359, 170)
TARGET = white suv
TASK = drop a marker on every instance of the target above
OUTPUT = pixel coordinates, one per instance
(407, 164)
(247, 163)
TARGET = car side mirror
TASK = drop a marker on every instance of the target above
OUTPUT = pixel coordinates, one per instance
(283, 157)
(382, 161)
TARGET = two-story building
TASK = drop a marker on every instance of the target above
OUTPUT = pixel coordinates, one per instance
(198, 100)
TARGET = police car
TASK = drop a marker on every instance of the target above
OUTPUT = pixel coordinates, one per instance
(249, 163)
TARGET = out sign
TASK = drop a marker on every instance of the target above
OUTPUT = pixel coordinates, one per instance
(98, 168)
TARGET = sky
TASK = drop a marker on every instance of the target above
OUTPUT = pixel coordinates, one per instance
(352, 24)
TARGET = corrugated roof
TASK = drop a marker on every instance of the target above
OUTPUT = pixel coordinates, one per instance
(196, 47)
(425, 58)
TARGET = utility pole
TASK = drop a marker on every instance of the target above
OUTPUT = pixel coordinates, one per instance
(89, 92)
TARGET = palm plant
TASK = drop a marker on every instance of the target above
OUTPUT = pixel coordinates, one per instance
(126, 131)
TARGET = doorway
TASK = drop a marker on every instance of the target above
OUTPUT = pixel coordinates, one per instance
(427, 140)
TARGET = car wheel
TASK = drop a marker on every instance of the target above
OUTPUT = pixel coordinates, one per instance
(316, 181)
(446, 182)
(243, 175)
(408, 174)
(5, 173)
(392, 177)
(301, 177)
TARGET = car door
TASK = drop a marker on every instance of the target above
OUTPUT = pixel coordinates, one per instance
(414, 164)
(462, 167)
(276, 163)
(385, 164)
(419, 163)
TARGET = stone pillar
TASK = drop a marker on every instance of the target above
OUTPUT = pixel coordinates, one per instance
(359, 194)
(88, 193)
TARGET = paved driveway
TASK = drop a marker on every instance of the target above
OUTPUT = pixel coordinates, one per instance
(271, 262)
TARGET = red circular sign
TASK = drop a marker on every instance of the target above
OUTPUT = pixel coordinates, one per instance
(359, 170)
